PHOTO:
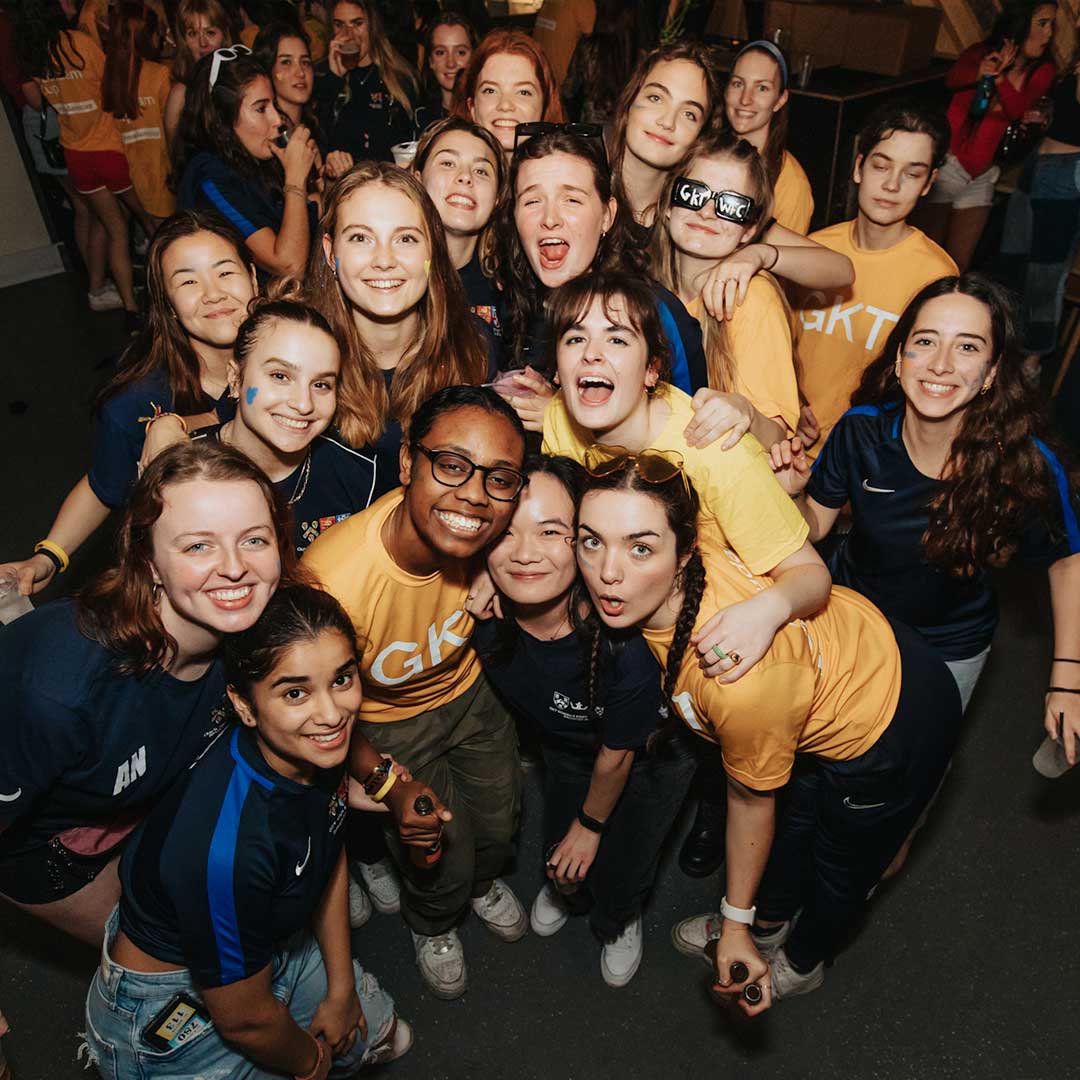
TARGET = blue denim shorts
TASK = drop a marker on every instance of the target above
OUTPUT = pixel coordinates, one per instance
(121, 1004)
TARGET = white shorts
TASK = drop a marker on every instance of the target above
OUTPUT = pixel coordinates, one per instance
(957, 187)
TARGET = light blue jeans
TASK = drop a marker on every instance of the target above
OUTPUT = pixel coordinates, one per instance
(121, 1003)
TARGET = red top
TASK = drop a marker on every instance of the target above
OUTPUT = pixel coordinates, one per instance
(974, 143)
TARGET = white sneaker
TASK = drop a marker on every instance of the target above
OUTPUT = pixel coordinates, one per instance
(771, 943)
(622, 957)
(359, 905)
(441, 960)
(692, 935)
(549, 912)
(396, 1046)
(787, 982)
(105, 299)
(382, 884)
(501, 911)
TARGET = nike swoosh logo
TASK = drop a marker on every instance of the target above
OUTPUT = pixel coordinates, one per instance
(11, 798)
(867, 486)
(861, 806)
(300, 865)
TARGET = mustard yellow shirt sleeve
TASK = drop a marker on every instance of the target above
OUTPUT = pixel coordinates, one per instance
(743, 504)
(760, 340)
(793, 198)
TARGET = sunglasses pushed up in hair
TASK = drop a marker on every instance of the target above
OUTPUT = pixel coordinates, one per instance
(524, 132)
(653, 466)
(730, 205)
(233, 52)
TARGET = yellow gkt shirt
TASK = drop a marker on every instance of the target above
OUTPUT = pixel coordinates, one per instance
(742, 505)
(842, 332)
(759, 340)
(414, 631)
(828, 685)
(793, 199)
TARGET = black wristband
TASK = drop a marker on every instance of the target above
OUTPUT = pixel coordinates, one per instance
(1064, 660)
(591, 823)
(1061, 690)
(52, 557)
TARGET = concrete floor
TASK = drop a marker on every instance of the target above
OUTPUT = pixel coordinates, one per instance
(966, 967)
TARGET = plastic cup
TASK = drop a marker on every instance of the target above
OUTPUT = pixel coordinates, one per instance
(13, 604)
(1050, 760)
(404, 153)
(507, 386)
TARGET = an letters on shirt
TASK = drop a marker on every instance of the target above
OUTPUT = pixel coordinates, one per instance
(830, 319)
(130, 770)
(413, 663)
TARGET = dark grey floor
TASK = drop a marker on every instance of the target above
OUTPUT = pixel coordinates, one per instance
(967, 967)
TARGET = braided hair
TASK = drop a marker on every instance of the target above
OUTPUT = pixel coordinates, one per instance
(680, 502)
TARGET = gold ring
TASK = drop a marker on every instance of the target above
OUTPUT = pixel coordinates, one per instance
(735, 658)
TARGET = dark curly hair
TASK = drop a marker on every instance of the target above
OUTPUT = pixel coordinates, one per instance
(209, 117)
(524, 293)
(40, 43)
(996, 473)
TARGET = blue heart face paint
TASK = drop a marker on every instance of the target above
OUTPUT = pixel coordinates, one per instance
(251, 392)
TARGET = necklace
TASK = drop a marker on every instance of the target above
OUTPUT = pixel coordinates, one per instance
(301, 481)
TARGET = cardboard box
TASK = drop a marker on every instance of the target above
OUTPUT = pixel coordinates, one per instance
(891, 41)
(864, 37)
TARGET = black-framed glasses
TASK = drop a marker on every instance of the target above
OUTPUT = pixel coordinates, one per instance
(524, 132)
(454, 470)
(653, 466)
(730, 205)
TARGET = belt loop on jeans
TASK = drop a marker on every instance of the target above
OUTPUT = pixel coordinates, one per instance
(110, 972)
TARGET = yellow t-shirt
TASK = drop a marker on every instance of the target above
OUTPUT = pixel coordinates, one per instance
(842, 332)
(559, 24)
(76, 96)
(759, 340)
(144, 141)
(414, 631)
(828, 685)
(793, 200)
(248, 35)
(742, 505)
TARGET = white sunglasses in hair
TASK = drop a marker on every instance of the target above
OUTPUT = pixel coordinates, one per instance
(233, 52)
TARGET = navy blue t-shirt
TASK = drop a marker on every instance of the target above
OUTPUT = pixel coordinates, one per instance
(120, 431)
(864, 462)
(339, 482)
(359, 114)
(547, 681)
(231, 862)
(209, 183)
(482, 294)
(83, 747)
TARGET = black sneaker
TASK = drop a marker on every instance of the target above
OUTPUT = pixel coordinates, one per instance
(702, 852)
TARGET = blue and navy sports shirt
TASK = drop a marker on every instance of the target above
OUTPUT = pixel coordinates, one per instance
(340, 482)
(864, 461)
(83, 747)
(231, 863)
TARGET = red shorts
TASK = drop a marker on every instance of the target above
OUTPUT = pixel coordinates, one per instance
(93, 170)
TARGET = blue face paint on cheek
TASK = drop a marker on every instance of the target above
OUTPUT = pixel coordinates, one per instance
(250, 394)
(909, 356)
(337, 266)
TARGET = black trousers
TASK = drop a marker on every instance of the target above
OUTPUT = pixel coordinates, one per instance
(843, 821)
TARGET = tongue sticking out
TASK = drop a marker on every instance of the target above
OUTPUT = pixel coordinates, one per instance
(552, 254)
(595, 393)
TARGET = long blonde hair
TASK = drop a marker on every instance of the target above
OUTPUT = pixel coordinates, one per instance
(395, 71)
(449, 350)
(716, 145)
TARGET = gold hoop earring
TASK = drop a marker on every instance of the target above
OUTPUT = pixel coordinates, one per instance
(985, 388)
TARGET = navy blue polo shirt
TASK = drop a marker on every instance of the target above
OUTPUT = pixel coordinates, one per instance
(864, 462)
(547, 682)
(82, 746)
(209, 183)
(120, 431)
(340, 482)
(231, 862)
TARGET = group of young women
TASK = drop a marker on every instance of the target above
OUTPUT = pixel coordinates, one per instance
(356, 362)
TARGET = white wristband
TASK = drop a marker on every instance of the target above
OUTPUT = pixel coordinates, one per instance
(738, 914)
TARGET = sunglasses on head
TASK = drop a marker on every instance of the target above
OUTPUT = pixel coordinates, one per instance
(730, 205)
(524, 132)
(233, 52)
(653, 466)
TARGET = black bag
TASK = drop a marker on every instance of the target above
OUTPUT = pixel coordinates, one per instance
(51, 148)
